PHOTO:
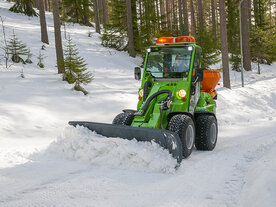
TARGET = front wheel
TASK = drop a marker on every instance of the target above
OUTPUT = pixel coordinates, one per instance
(184, 126)
(206, 132)
(123, 119)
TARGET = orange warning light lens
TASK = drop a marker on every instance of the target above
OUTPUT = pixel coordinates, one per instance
(185, 39)
(163, 40)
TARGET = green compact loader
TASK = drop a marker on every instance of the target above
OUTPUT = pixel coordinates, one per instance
(176, 106)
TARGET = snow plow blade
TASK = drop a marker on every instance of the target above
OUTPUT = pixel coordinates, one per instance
(166, 139)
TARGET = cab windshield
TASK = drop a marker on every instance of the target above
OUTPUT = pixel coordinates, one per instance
(169, 62)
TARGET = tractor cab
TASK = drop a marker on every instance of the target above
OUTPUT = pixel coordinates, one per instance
(173, 58)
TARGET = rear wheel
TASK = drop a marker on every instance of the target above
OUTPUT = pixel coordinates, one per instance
(206, 132)
(184, 126)
(123, 119)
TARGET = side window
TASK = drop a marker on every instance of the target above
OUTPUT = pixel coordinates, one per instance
(197, 59)
(197, 62)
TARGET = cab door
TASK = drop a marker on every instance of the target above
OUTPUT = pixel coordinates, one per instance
(195, 86)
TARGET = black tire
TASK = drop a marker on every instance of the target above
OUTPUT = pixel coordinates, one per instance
(206, 132)
(184, 126)
(123, 119)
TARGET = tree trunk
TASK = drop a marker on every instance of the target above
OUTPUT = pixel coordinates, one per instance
(174, 18)
(245, 36)
(130, 29)
(162, 12)
(224, 45)
(43, 25)
(200, 15)
(97, 19)
(85, 15)
(249, 13)
(100, 8)
(58, 40)
(157, 15)
(193, 17)
(105, 18)
(168, 14)
(214, 26)
(185, 17)
(36, 4)
(180, 17)
(256, 14)
(217, 17)
(46, 5)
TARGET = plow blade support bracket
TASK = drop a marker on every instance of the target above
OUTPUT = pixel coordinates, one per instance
(166, 139)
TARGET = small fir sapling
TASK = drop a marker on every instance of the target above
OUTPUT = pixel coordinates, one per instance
(5, 47)
(22, 74)
(40, 60)
(89, 33)
(43, 47)
(16, 49)
(29, 55)
(75, 68)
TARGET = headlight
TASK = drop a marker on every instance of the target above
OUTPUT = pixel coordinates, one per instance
(141, 93)
(182, 93)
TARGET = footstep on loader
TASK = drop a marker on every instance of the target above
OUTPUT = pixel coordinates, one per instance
(176, 106)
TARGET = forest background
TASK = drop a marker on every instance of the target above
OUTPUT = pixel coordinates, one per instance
(134, 25)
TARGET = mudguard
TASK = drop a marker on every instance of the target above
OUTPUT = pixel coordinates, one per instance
(166, 139)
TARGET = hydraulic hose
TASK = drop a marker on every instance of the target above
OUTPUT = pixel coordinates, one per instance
(147, 85)
(146, 105)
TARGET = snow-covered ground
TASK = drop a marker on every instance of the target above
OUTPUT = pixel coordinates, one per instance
(44, 162)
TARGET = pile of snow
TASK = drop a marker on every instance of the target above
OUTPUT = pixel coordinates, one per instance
(86, 146)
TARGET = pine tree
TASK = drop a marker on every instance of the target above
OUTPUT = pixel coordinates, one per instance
(40, 60)
(206, 40)
(233, 34)
(76, 11)
(261, 13)
(130, 29)
(24, 6)
(16, 48)
(263, 46)
(263, 36)
(75, 68)
(29, 55)
(115, 33)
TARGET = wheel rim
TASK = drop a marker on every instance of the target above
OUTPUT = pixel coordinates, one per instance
(190, 137)
(213, 133)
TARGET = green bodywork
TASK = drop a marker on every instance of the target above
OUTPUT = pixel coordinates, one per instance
(151, 118)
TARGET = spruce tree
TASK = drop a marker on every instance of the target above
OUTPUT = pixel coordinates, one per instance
(206, 40)
(40, 60)
(29, 55)
(75, 68)
(76, 11)
(24, 6)
(233, 33)
(16, 48)
(115, 33)
(263, 46)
